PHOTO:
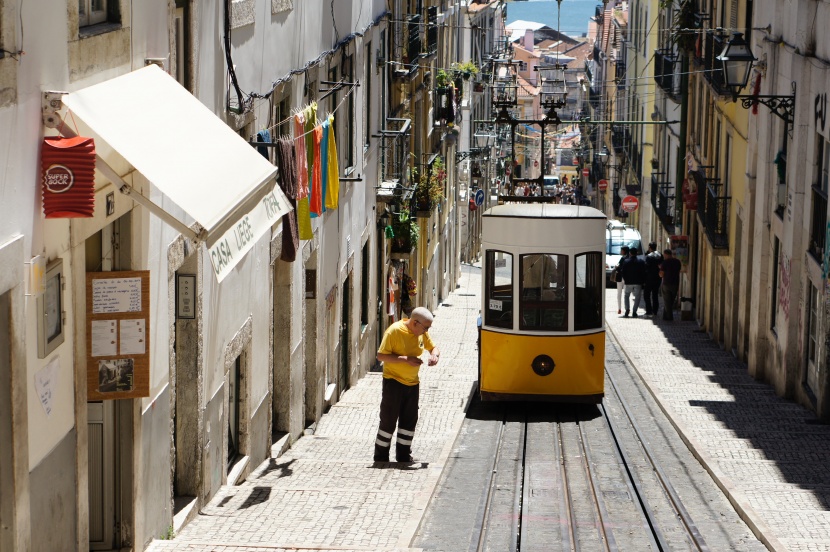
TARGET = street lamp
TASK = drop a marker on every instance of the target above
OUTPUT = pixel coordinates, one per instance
(737, 60)
(554, 87)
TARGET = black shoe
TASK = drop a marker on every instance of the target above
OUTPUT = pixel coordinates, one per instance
(634, 315)
(381, 458)
(625, 315)
(405, 460)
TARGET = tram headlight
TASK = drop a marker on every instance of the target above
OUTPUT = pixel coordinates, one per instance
(543, 365)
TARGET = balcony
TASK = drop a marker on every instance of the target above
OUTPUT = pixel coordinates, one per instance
(662, 199)
(713, 212)
(667, 73)
(395, 154)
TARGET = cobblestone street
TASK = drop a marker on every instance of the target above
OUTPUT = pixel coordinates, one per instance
(324, 493)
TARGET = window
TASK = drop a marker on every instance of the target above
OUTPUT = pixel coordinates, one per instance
(544, 292)
(812, 340)
(775, 268)
(367, 96)
(818, 226)
(282, 121)
(347, 72)
(91, 12)
(589, 285)
(499, 289)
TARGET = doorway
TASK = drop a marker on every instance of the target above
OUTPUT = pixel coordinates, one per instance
(110, 423)
(7, 523)
(345, 331)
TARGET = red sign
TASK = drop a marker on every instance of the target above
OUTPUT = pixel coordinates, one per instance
(586, 172)
(535, 162)
(68, 185)
(602, 185)
(576, 161)
(630, 204)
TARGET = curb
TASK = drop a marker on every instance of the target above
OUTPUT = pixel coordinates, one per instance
(436, 470)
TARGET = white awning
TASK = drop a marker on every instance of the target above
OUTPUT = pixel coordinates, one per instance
(189, 154)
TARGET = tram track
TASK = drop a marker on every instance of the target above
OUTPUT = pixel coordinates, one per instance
(550, 476)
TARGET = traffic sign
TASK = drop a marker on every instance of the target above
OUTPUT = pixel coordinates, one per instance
(630, 204)
(586, 172)
(479, 197)
(602, 185)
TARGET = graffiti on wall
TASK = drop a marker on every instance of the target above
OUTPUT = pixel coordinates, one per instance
(784, 286)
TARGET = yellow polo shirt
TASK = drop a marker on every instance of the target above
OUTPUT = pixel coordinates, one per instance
(398, 340)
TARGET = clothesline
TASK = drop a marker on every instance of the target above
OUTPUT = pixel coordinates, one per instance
(291, 117)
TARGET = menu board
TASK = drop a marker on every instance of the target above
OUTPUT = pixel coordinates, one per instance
(118, 340)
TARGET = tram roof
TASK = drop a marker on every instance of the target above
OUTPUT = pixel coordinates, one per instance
(544, 210)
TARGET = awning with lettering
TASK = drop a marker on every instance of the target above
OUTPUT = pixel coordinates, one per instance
(190, 155)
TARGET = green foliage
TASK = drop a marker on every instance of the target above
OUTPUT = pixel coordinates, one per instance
(404, 226)
(442, 79)
(169, 534)
(465, 69)
(430, 188)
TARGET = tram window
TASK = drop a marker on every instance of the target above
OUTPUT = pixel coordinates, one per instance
(589, 283)
(498, 302)
(544, 292)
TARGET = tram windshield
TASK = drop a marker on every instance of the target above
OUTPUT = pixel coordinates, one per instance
(499, 289)
(544, 292)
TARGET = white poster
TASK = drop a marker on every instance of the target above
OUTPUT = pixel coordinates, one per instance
(116, 295)
(46, 380)
(104, 338)
(132, 337)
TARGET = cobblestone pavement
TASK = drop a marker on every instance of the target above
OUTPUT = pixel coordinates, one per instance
(767, 454)
(325, 492)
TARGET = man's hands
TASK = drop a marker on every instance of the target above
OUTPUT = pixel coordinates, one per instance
(411, 360)
(433, 357)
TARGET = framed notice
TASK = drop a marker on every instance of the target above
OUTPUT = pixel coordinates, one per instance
(118, 335)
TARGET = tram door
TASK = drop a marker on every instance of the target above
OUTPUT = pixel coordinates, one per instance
(109, 423)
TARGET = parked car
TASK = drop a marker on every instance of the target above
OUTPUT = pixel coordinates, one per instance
(550, 185)
(618, 234)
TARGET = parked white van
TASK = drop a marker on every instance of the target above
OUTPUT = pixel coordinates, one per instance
(618, 234)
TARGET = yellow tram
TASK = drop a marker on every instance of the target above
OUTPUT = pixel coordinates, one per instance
(542, 333)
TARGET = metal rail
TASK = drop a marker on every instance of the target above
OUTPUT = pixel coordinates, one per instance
(683, 514)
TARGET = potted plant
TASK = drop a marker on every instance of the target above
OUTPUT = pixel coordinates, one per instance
(430, 190)
(465, 69)
(406, 233)
(453, 132)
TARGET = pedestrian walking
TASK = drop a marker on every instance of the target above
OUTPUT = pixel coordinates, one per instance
(400, 351)
(651, 287)
(618, 277)
(670, 269)
(634, 275)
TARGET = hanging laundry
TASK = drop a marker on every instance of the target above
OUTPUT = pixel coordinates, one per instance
(317, 188)
(324, 158)
(314, 176)
(304, 219)
(332, 189)
(263, 136)
(300, 156)
(287, 164)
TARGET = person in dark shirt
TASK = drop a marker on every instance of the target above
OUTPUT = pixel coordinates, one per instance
(670, 269)
(634, 276)
(652, 284)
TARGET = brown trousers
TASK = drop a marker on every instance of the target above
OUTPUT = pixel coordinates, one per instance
(398, 406)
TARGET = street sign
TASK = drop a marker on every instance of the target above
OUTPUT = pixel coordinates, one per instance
(602, 185)
(630, 204)
(479, 197)
(586, 172)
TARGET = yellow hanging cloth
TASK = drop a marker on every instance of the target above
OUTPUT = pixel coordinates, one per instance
(333, 180)
(304, 219)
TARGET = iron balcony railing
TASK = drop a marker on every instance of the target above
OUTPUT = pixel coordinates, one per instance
(662, 199)
(395, 150)
(620, 138)
(713, 212)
